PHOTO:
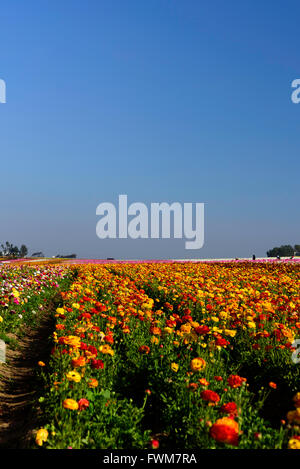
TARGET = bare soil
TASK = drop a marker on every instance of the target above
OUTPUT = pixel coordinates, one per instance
(19, 385)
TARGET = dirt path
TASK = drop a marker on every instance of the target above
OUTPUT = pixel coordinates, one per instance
(19, 385)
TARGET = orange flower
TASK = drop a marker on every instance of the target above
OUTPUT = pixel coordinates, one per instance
(272, 385)
(77, 362)
(70, 404)
(193, 386)
(93, 383)
(203, 382)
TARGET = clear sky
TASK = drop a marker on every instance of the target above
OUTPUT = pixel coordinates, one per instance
(162, 100)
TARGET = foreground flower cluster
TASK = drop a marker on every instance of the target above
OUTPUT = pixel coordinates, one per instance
(175, 355)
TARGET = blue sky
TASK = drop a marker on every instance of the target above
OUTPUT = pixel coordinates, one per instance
(164, 101)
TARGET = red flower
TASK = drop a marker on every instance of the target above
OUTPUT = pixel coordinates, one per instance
(97, 364)
(83, 404)
(154, 444)
(221, 342)
(210, 396)
(201, 330)
(109, 339)
(235, 381)
(224, 434)
(225, 430)
(92, 349)
(84, 316)
(229, 408)
(144, 349)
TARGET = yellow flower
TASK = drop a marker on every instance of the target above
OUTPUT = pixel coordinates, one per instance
(60, 310)
(215, 319)
(230, 332)
(186, 328)
(294, 443)
(223, 315)
(73, 376)
(73, 340)
(1, 319)
(174, 367)
(41, 436)
(75, 306)
(70, 404)
(106, 349)
(198, 364)
(251, 325)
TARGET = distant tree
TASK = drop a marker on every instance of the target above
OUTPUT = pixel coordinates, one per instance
(297, 248)
(15, 252)
(8, 249)
(23, 250)
(282, 251)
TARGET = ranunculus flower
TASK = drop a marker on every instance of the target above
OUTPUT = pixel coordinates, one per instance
(73, 376)
(198, 364)
(93, 383)
(97, 364)
(155, 444)
(229, 408)
(210, 396)
(83, 404)
(294, 442)
(41, 436)
(70, 404)
(174, 367)
(225, 430)
(235, 381)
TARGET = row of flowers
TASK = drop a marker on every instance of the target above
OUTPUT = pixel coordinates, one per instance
(143, 356)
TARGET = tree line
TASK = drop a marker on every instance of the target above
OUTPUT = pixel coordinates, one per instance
(285, 250)
(8, 249)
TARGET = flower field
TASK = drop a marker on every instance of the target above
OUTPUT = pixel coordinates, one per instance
(163, 355)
